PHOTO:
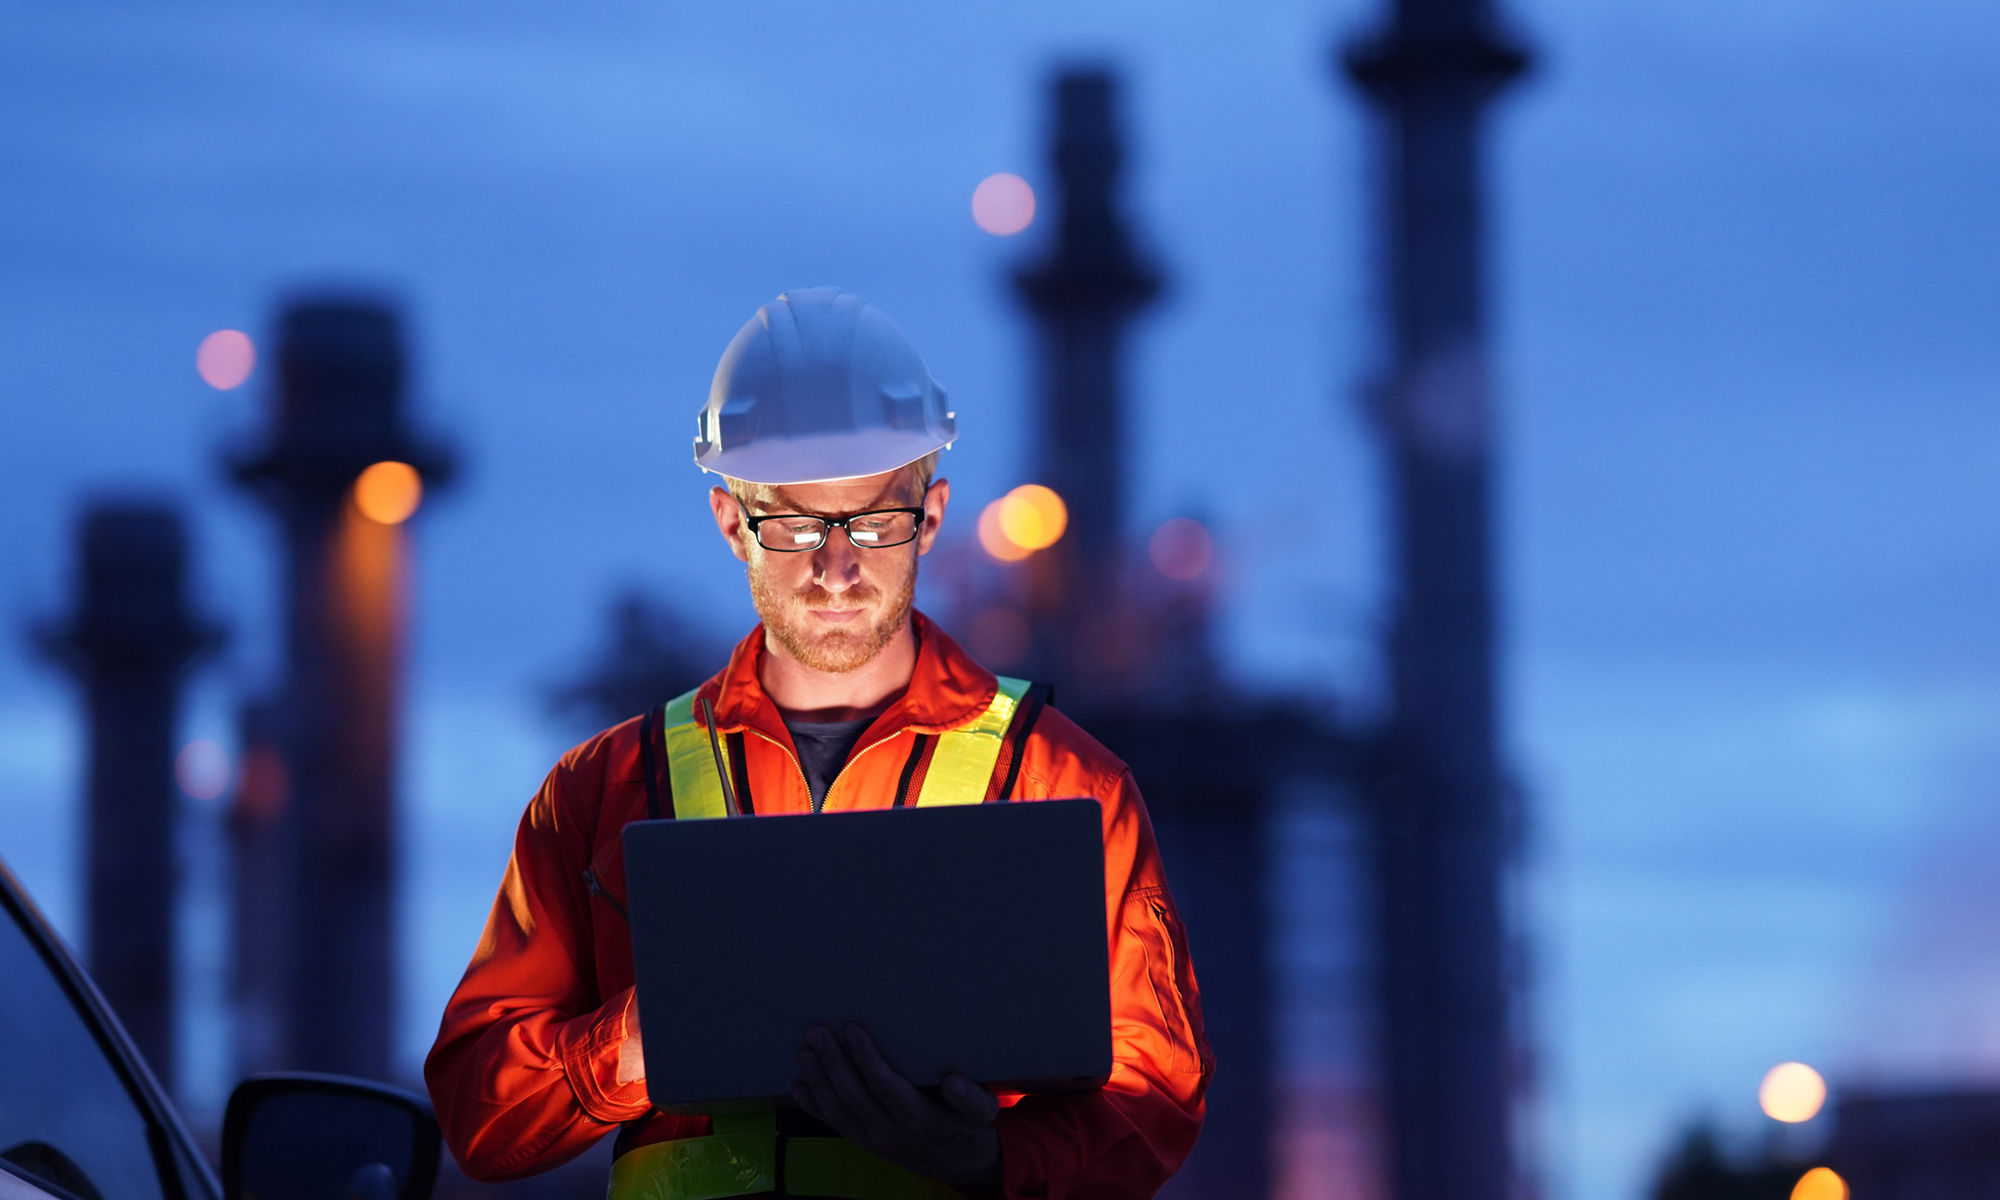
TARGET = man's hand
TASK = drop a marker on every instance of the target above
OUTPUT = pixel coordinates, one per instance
(845, 1082)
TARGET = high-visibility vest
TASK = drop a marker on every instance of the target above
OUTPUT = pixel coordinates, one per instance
(744, 1155)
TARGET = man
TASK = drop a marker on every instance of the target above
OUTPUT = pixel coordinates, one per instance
(826, 426)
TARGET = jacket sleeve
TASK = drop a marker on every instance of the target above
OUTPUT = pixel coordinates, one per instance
(524, 1071)
(1126, 1138)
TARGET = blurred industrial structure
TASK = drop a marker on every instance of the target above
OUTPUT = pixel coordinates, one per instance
(129, 642)
(1918, 1145)
(1447, 1072)
(1083, 294)
(1205, 762)
(1698, 1169)
(1904, 1144)
(649, 651)
(260, 896)
(337, 436)
(1449, 1063)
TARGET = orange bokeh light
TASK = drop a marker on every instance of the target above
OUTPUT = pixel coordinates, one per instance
(225, 358)
(1003, 204)
(994, 539)
(1791, 1092)
(1820, 1183)
(1181, 549)
(1027, 519)
(1033, 517)
(388, 492)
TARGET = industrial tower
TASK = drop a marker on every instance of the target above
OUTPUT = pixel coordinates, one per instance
(1135, 671)
(1439, 802)
(1082, 296)
(130, 642)
(337, 410)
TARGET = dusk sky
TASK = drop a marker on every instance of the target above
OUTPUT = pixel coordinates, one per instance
(1746, 309)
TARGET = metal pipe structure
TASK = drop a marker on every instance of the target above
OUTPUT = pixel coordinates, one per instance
(338, 410)
(1439, 804)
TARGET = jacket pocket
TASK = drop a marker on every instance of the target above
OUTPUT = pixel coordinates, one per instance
(1149, 915)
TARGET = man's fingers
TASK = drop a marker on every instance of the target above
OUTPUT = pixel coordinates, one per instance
(898, 1097)
(974, 1105)
(825, 1106)
(803, 1097)
(852, 1094)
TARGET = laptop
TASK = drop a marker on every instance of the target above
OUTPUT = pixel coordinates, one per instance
(966, 938)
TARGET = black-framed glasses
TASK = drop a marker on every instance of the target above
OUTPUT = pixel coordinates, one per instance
(877, 529)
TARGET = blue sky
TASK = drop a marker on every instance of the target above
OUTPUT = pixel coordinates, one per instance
(1745, 309)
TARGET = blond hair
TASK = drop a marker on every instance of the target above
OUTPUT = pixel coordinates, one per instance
(920, 473)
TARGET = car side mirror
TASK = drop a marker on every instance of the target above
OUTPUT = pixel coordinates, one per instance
(325, 1137)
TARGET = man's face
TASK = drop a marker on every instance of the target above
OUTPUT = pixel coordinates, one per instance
(834, 608)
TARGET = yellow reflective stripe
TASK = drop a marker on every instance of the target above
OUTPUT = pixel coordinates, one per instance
(963, 761)
(736, 1159)
(740, 1158)
(702, 1168)
(691, 762)
(837, 1167)
(960, 769)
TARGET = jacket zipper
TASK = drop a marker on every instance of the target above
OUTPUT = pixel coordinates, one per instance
(800, 767)
(596, 888)
(796, 765)
(1173, 961)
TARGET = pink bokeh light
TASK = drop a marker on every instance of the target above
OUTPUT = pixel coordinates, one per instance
(225, 359)
(1181, 549)
(1003, 204)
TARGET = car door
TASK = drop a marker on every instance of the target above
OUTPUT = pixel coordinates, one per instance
(78, 1107)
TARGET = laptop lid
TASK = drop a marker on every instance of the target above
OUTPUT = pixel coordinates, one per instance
(965, 938)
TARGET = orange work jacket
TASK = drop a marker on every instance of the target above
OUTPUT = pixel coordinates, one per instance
(524, 1071)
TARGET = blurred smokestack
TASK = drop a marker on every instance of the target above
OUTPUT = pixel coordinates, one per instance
(1127, 651)
(261, 901)
(130, 641)
(1083, 294)
(1447, 1062)
(337, 411)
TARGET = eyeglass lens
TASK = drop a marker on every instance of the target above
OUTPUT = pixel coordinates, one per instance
(864, 529)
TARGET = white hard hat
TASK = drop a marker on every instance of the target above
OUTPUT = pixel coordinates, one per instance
(820, 385)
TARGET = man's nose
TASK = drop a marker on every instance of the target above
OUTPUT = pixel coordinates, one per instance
(836, 564)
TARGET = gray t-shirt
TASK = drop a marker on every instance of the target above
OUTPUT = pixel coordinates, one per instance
(823, 748)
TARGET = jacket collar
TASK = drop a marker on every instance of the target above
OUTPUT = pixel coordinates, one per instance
(947, 689)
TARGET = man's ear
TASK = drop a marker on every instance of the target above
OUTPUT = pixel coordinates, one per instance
(729, 520)
(935, 498)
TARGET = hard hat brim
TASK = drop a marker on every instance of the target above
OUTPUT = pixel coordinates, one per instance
(823, 458)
